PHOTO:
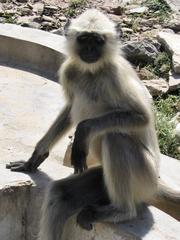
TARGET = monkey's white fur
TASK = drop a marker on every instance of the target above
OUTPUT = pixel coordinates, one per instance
(130, 88)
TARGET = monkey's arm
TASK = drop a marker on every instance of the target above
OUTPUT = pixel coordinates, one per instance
(115, 120)
(41, 152)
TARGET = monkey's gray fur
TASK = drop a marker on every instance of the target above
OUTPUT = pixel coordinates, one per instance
(114, 119)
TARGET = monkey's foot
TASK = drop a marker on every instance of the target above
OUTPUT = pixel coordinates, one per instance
(86, 217)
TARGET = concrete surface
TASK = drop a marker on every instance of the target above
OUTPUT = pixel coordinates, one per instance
(28, 105)
(31, 49)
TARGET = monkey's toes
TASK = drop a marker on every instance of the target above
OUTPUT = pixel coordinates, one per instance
(84, 224)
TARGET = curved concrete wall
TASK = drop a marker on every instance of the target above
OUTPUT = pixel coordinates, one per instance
(32, 50)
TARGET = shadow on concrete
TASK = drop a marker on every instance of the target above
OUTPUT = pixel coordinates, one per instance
(40, 178)
(140, 226)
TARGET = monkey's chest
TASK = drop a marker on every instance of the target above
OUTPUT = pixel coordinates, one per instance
(84, 108)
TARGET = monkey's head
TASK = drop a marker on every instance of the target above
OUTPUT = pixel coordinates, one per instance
(91, 37)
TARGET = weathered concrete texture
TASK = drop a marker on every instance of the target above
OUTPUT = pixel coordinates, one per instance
(174, 5)
(172, 43)
(25, 48)
(28, 104)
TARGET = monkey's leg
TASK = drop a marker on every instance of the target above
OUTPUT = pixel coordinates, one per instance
(129, 177)
(66, 197)
(41, 152)
(107, 213)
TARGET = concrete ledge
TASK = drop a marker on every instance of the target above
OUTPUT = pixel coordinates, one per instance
(31, 49)
(21, 196)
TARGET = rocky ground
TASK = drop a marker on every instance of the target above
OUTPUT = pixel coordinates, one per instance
(150, 38)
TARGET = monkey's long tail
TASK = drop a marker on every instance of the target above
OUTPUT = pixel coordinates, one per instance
(168, 200)
(168, 194)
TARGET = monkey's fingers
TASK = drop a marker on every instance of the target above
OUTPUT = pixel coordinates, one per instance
(14, 164)
(20, 168)
(81, 168)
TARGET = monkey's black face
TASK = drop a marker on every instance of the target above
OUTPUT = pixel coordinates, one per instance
(90, 46)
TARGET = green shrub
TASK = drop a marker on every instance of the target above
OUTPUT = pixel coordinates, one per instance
(159, 9)
(165, 110)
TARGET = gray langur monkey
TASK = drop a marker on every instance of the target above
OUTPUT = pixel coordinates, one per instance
(113, 114)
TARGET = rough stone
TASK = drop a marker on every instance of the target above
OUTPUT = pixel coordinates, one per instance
(47, 19)
(176, 121)
(114, 7)
(174, 24)
(62, 18)
(172, 43)
(47, 24)
(139, 10)
(148, 22)
(174, 82)
(29, 21)
(145, 74)
(127, 30)
(2, 20)
(115, 18)
(22, 1)
(167, 30)
(177, 130)
(51, 7)
(1, 10)
(174, 4)
(11, 12)
(143, 52)
(156, 87)
(25, 11)
(38, 8)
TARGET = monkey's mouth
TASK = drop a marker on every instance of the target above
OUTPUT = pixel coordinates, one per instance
(90, 56)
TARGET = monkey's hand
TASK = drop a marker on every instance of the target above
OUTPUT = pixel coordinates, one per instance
(80, 147)
(30, 166)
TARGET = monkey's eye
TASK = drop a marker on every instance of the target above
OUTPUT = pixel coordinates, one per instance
(82, 38)
(100, 40)
(91, 38)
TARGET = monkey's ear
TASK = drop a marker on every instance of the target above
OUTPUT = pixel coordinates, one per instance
(66, 26)
(119, 31)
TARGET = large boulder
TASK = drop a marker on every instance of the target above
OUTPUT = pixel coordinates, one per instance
(172, 43)
(141, 52)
